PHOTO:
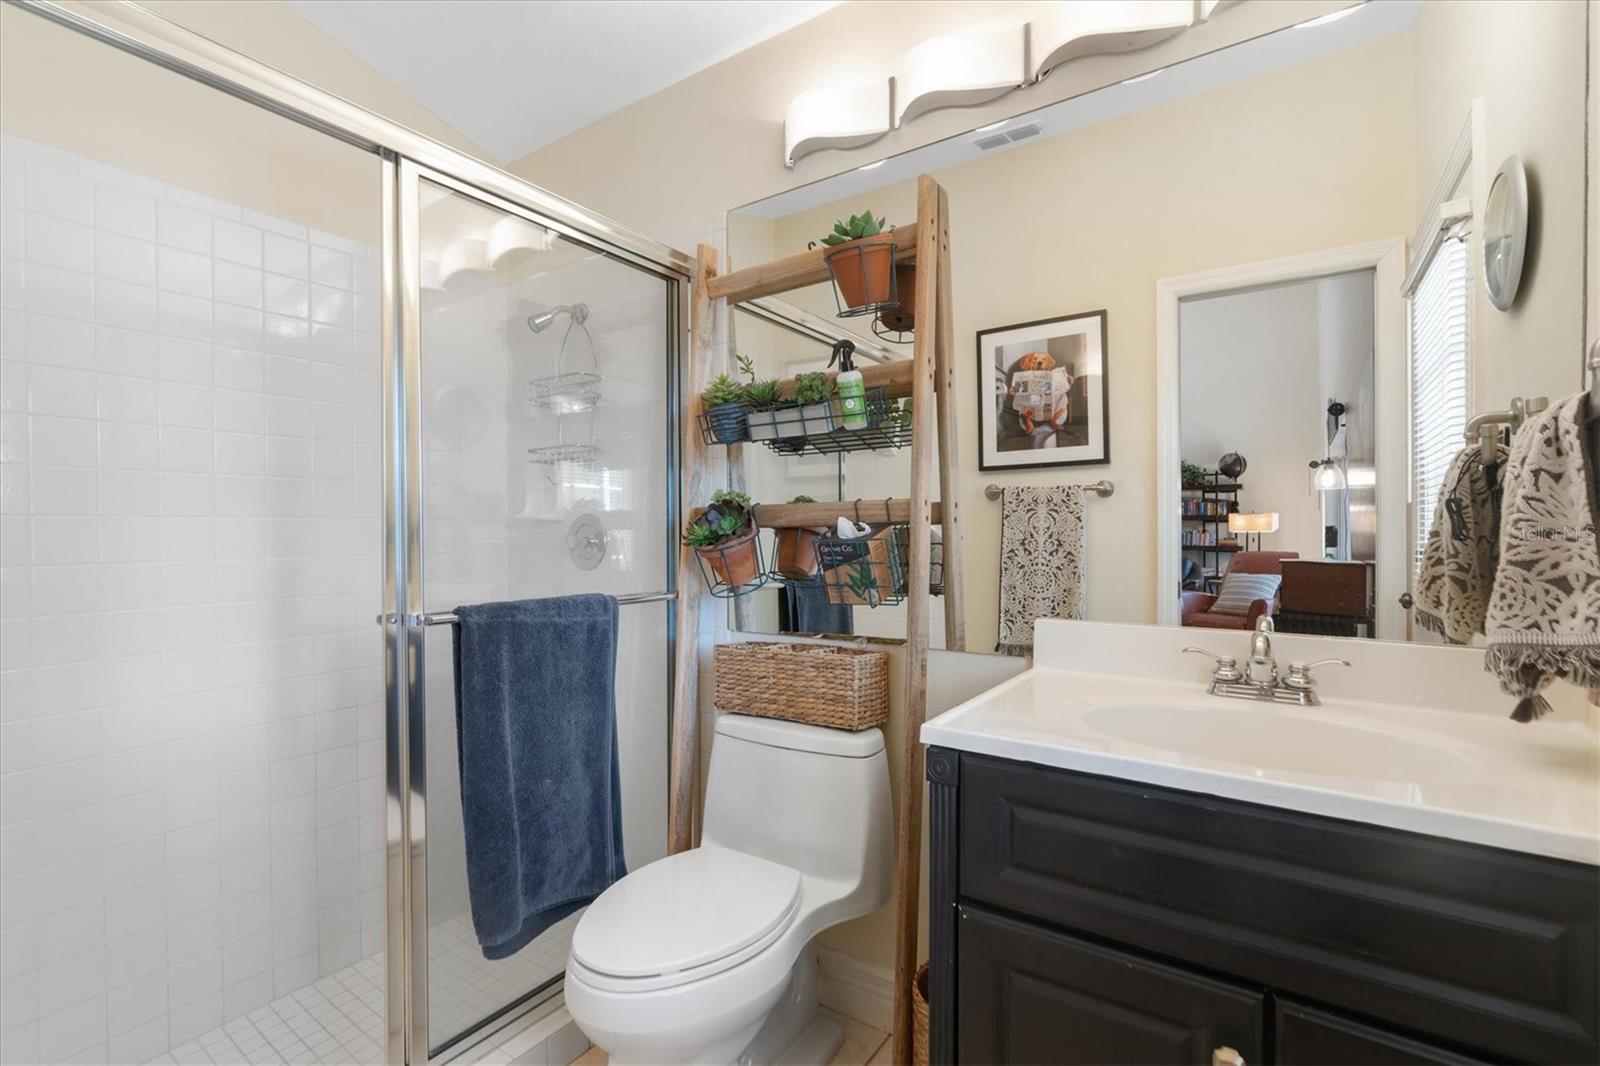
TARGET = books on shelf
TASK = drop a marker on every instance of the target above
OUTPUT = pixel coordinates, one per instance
(1210, 538)
(1208, 508)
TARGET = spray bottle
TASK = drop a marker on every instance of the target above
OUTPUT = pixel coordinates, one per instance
(852, 388)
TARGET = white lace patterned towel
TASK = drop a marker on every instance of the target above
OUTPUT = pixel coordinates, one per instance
(1544, 614)
(1041, 561)
(1458, 561)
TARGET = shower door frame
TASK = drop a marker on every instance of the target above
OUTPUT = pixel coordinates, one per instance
(407, 158)
(407, 634)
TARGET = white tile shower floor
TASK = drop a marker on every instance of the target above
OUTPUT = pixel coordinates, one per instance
(338, 1020)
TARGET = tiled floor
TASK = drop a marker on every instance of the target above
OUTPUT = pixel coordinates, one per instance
(339, 1019)
(863, 1045)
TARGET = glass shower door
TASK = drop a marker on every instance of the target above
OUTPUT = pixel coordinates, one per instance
(544, 384)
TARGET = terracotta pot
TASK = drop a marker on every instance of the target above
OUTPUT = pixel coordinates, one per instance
(863, 269)
(735, 561)
(902, 317)
(797, 552)
(729, 423)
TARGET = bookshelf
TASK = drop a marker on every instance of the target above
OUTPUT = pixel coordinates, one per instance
(1205, 536)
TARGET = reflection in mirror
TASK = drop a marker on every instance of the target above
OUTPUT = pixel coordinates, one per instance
(1281, 246)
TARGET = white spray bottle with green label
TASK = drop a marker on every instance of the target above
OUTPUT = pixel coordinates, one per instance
(852, 388)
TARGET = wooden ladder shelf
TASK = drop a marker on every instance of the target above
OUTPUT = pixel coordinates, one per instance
(928, 378)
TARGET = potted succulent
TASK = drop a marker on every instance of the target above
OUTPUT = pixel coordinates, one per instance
(813, 395)
(725, 411)
(724, 537)
(761, 397)
(861, 260)
(796, 549)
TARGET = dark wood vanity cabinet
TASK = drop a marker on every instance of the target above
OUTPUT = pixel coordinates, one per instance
(1084, 919)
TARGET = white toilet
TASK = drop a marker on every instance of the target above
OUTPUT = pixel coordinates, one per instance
(705, 956)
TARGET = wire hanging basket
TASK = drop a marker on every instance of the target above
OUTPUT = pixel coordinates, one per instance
(868, 570)
(863, 275)
(736, 566)
(570, 390)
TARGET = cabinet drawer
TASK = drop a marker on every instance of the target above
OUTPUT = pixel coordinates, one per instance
(1488, 948)
(1031, 995)
(1307, 1036)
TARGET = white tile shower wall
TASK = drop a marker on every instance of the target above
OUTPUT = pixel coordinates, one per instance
(495, 527)
(191, 684)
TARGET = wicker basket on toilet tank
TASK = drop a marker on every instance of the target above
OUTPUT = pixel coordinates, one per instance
(841, 688)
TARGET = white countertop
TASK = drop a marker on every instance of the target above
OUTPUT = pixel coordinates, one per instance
(1467, 776)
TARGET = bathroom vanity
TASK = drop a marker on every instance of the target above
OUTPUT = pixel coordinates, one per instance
(1125, 869)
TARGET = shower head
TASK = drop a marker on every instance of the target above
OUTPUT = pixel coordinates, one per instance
(540, 322)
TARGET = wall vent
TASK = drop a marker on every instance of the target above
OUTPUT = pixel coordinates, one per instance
(1001, 138)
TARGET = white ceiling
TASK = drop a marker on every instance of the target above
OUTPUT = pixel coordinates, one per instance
(514, 75)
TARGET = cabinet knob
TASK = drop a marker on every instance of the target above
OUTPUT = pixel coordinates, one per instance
(1226, 1056)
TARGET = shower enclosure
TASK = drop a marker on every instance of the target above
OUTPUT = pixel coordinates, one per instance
(281, 384)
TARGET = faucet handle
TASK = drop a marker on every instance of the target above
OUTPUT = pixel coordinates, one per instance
(1299, 677)
(1227, 668)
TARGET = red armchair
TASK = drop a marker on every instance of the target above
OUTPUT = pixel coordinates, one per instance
(1196, 607)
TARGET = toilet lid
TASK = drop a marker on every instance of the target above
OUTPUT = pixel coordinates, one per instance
(686, 914)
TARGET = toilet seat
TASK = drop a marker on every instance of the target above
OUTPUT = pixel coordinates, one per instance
(684, 918)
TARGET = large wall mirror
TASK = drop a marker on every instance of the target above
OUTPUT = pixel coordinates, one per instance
(1243, 296)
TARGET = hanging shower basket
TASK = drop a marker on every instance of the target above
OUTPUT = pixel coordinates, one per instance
(571, 389)
(869, 570)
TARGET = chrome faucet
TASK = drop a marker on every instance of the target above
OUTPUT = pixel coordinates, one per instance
(1260, 678)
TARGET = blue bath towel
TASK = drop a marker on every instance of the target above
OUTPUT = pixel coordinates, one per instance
(536, 729)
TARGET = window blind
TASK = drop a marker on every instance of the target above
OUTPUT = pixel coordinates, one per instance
(1440, 310)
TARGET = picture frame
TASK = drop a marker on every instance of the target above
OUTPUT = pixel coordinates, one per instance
(1043, 394)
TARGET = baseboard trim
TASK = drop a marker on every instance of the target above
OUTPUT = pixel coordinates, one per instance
(854, 988)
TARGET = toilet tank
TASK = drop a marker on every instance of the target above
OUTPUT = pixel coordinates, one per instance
(811, 798)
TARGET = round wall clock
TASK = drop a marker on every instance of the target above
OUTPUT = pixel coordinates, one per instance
(1505, 232)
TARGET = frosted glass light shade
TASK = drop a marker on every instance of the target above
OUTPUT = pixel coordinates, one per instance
(1263, 522)
(960, 70)
(1328, 478)
(1063, 32)
(845, 117)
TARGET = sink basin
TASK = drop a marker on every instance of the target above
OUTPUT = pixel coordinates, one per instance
(1272, 737)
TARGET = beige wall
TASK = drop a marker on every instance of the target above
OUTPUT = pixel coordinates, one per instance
(1091, 219)
(1525, 62)
(64, 89)
(672, 164)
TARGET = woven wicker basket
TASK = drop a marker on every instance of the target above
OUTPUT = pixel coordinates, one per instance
(841, 688)
(919, 1018)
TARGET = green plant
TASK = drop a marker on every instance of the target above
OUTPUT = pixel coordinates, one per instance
(812, 387)
(1192, 476)
(762, 395)
(862, 225)
(723, 389)
(727, 517)
(802, 499)
(904, 415)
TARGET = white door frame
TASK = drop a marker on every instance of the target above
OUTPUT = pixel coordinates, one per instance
(1387, 260)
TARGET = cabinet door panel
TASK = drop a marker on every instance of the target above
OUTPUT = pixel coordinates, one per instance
(1311, 1037)
(1031, 995)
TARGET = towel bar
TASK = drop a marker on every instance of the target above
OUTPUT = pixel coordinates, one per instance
(445, 618)
(1099, 488)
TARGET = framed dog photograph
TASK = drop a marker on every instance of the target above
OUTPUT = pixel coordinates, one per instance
(1042, 393)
